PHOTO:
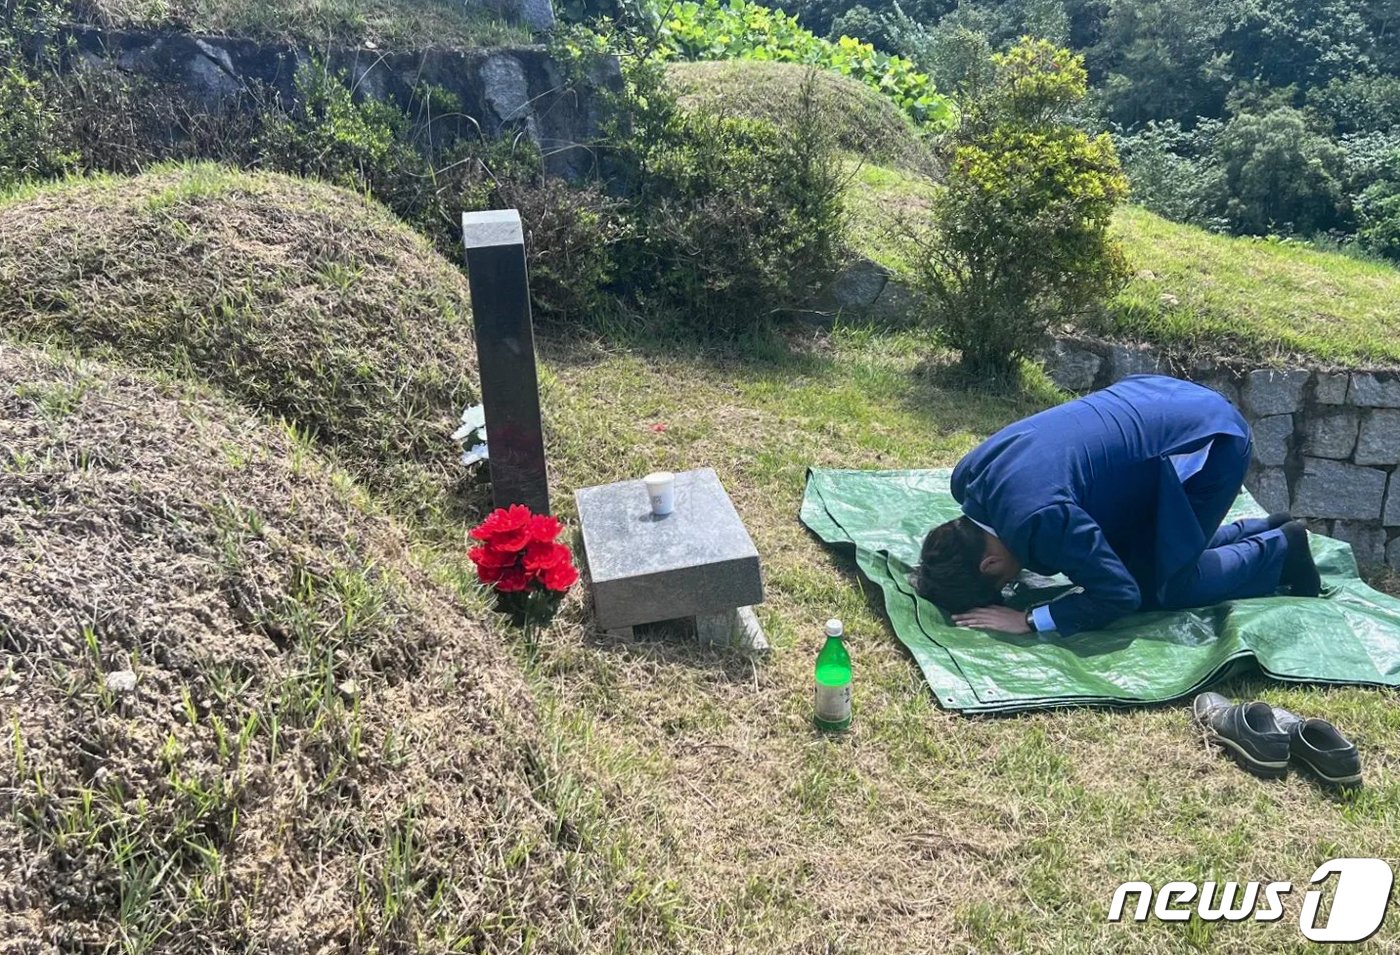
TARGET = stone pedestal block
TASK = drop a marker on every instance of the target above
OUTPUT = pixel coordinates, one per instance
(1271, 391)
(1330, 489)
(695, 561)
(1330, 433)
(1379, 442)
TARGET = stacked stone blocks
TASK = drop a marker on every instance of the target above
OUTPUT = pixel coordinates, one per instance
(1326, 443)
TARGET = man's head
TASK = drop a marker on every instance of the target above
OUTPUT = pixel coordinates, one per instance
(962, 566)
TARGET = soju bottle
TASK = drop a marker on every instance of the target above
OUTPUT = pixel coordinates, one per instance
(833, 682)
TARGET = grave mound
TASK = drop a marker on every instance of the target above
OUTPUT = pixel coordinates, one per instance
(237, 714)
(300, 300)
(860, 119)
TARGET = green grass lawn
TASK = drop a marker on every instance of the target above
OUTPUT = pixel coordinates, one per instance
(922, 830)
(1193, 291)
(1262, 297)
(386, 23)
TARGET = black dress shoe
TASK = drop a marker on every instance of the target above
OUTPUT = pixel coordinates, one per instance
(1248, 732)
(1321, 747)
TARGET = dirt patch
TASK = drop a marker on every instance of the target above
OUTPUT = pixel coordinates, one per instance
(321, 750)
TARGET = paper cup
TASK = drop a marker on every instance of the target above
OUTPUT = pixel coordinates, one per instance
(661, 488)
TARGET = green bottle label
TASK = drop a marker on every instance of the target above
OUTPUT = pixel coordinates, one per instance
(834, 704)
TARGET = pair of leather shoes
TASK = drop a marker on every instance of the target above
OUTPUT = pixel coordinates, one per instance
(1263, 738)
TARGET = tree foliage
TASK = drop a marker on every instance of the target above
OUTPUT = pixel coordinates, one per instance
(1257, 117)
(1278, 175)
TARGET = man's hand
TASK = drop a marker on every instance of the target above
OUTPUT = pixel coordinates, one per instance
(994, 618)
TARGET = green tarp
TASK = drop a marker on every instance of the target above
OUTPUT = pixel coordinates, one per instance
(1350, 636)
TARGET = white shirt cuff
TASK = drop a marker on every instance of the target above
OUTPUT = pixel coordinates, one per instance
(1041, 619)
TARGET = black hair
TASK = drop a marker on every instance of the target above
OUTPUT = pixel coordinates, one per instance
(950, 568)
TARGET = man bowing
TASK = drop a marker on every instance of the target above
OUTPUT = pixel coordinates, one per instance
(1123, 491)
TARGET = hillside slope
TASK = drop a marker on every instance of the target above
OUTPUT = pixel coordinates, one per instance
(1201, 292)
(1193, 291)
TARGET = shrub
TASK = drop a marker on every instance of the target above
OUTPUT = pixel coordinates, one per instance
(1020, 236)
(31, 141)
(364, 144)
(1172, 171)
(733, 220)
(571, 234)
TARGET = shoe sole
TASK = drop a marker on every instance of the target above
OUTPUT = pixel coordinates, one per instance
(1346, 782)
(1263, 768)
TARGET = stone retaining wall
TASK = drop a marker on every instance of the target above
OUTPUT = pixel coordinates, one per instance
(503, 91)
(1326, 443)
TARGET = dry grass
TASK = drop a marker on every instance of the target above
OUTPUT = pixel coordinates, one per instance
(300, 300)
(324, 750)
(386, 23)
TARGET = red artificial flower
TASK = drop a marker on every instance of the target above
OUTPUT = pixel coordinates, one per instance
(491, 575)
(514, 580)
(490, 557)
(501, 522)
(546, 555)
(543, 527)
(519, 551)
(560, 578)
(510, 542)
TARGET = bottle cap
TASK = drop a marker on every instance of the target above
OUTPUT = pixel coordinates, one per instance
(833, 627)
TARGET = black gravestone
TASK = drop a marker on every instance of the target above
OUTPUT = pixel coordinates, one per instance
(505, 349)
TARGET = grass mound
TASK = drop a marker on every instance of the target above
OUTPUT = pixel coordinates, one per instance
(864, 122)
(388, 23)
(320, 752)
(1257, 298)
(298, 299)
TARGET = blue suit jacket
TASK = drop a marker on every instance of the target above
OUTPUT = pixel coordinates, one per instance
(1087, 489)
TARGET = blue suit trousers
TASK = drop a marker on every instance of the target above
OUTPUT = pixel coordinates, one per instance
(1241, 559)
